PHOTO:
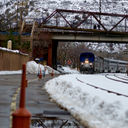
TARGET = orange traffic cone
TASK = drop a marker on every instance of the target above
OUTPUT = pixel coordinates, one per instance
(21, 117)
(40, 75)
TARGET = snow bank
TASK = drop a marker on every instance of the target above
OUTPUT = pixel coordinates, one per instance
(94, 108)
(69, 70)
(34, 68)
(51, 69)
(10, 72)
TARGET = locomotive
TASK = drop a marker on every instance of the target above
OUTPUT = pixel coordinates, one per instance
(87, 62)
(90, 63)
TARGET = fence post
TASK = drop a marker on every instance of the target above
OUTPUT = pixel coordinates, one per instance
(21, 117)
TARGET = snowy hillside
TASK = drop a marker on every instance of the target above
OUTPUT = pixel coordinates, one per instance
(10, 9)
(109, 6)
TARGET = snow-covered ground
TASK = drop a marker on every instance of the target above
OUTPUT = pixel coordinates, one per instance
(66, 69)
(34, 68)
(10, 72)
(93, 107)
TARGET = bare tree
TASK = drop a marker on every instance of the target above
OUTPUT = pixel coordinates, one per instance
(70, 51)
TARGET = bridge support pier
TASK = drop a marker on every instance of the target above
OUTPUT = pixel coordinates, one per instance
(52, 54)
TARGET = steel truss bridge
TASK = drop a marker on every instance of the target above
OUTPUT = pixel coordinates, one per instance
(84, 20)
(72, 25)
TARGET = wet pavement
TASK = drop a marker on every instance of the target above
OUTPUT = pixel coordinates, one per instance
(37, 101)
(8, 86)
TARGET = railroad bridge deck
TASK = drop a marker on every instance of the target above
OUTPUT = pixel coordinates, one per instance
(84, 35)
(69, 34)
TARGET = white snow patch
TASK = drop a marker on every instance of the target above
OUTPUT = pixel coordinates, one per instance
(10, 72)
(93, 107)
(34, 68)
(14, 51)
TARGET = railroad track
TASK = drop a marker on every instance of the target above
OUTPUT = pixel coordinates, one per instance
(106, 90)
(50, 119)
(121, 77)
(122, 81)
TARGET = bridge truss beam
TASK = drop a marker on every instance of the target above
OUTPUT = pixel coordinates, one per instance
(89, 19)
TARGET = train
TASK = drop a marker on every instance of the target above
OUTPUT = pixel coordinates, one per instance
(90, 63)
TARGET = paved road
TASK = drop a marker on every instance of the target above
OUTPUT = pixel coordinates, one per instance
(37, 96)
(37, 100)
(8, 86)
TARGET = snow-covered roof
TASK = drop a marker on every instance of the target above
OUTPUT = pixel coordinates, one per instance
(117, 61)
(14, 51)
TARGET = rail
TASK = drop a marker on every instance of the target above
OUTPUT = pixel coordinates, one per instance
(120, 77)
(106, 90)
(115, 79)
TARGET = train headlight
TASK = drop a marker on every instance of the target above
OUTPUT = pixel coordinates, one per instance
(91, 64)
(86, 61)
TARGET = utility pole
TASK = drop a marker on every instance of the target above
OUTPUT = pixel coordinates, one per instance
(100, 9)
(20, 10)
